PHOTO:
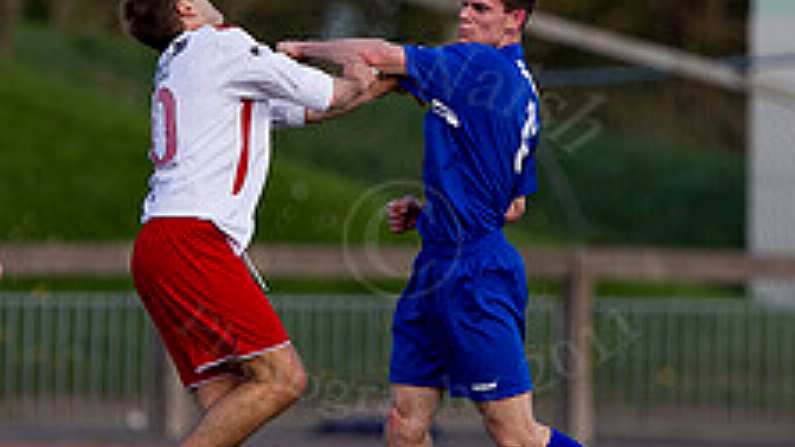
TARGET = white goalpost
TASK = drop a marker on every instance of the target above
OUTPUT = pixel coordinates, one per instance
(771, 172)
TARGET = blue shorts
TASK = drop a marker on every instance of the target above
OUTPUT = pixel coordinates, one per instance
(460, 323)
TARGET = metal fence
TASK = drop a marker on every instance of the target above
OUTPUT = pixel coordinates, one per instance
(665, 368)
(75, 360)
(711, 369)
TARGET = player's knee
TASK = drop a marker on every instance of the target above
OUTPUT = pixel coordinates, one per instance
(403, 429)
(290, 381)
(295, 383)
(283, 378)
(506, 437)
(531, 434)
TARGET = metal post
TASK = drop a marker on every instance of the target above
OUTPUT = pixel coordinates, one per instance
(181, 409)
(172, 408)
(771, 137)
(157, 403)
(579, 407)
(9, 15)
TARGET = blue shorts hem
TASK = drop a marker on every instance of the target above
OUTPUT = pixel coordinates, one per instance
(504, 393)
(418, 383)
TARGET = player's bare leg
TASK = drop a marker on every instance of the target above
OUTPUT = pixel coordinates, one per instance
(410, 418)
(272, 383)
(511, 422)
(211, 392)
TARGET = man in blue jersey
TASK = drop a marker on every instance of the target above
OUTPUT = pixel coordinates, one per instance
(460, 322)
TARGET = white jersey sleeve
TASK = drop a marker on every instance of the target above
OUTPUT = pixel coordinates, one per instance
(257, 72)
(285, 114)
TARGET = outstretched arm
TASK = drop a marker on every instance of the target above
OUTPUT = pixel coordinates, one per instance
(380, 57)
(388, 58)
(348, 89)
(377, 89)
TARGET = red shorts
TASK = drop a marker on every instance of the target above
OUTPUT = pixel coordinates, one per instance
(210, 312)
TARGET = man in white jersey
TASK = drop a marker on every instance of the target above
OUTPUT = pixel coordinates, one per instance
(218, 93)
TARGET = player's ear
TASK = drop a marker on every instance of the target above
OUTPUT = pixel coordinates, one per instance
(516, 19)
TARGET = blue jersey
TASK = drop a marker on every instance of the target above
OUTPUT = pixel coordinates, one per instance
(481, 132)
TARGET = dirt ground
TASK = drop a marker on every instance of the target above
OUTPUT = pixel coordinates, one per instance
(332, 427)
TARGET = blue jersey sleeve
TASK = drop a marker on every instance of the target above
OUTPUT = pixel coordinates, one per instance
(527, 183)
(410, 86)
(437, 72)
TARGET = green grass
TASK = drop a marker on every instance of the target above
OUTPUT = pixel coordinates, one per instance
(546, 288)
(306, 205)
(673, 290)
(628, 191)
(380, 143)
(388, 287)
(107, 62)
(73, 167)
(622, 190)
(38, 285)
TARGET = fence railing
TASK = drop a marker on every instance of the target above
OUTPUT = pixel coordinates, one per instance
(89, 360)
(75, 360)
(580, 269)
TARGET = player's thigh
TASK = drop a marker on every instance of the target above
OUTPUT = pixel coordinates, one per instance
(513, 418)
(485, 319)
(417, 358)
(414, 406)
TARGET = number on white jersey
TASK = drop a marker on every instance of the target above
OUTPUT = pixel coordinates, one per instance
(164, 128)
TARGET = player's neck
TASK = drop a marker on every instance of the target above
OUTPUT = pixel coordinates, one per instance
(499, 44)
(192, 22)
(192, 25)
(509, 39)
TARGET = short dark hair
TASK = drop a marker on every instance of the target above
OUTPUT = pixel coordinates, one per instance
(154, 23)
(527, 5)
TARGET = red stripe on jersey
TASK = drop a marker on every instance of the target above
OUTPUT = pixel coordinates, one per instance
(245, 127)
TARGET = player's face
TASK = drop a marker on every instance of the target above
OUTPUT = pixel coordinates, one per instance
(208, 12)
(483, 21)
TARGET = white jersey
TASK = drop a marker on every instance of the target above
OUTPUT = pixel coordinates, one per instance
(218, 93)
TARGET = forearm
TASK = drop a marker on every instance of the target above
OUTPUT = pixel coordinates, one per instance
(340, 52)
(376, 90)
(388, 58)
(316, 116)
